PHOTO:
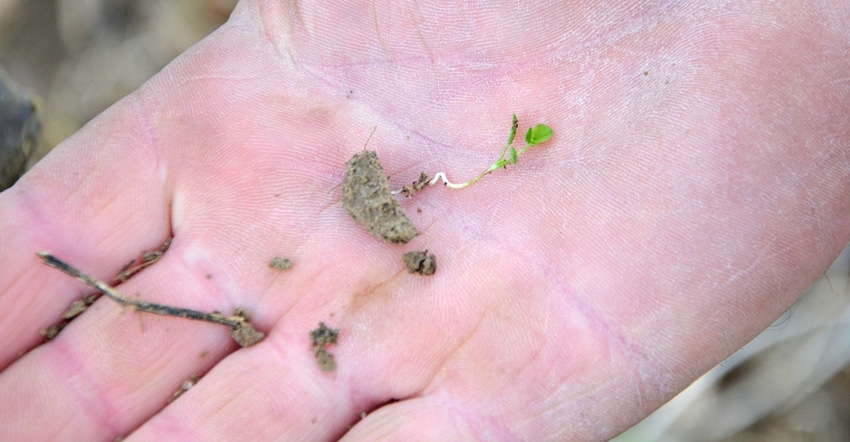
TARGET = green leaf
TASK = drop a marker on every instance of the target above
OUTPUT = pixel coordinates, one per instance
(514, 124)
(538, 134)
(513, 156)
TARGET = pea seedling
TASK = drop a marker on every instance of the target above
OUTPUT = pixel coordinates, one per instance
(534, 136)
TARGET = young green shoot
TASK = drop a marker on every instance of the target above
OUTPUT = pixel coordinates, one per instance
(534, 136)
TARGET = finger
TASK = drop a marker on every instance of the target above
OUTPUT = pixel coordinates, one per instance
(276, 392)
(97, 200)
(430, 418)
(107, 371)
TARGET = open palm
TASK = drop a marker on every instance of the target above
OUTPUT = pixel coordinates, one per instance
(696, 183)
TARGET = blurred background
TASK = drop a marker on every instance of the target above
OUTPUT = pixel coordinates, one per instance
(64, 61)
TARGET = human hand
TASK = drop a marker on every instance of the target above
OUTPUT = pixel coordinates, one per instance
(697, 182)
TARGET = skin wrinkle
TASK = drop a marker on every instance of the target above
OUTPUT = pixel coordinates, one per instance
(758, 260)
(613, 335)
(142, 115)
(630, 350)
(281, 44)
(381, 41)
(415, 17)
(95, 402)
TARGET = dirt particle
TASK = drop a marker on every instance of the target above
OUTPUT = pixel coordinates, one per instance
(321, 338)
(243, 332)
(246, 335)
(325, 360)
(75, 309)
(149, 257)
(411, 189)
(419, 261)
(187, 384)
(51, 332)
(279, 263)
(366, 195)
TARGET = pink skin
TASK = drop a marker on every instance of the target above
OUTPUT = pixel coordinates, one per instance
(697, 182)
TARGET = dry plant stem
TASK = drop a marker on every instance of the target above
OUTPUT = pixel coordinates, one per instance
(148, 258)
(238, 324)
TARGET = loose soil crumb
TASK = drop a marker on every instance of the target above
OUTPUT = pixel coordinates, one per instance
(149, 257)
(420, 262)
(51, 332)
(279, 263)
(244, 333)
(366, 195)
(320, 338)
(74, 310)
(411, 189)
(325, 359)
(187, 384)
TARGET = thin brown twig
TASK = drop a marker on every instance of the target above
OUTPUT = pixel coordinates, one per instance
(240, 328)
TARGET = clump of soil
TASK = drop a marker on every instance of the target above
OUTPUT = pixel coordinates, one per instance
(321, 338)
(242, 331)
(411, 189)
(419, 261)
(279, 263)
(366, 195)
(75, 309)
(149, 257)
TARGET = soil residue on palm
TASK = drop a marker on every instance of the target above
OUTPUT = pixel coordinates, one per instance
(366, 195)
(419, 261)
(280, 263)
(320, 339)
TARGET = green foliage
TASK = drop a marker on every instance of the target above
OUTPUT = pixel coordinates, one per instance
(538, 134)
(535, 135)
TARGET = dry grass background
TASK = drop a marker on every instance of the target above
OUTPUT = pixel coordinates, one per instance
(77, 57)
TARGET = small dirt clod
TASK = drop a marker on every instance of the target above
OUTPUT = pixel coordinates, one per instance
(320, 338)
(279, 263)
(187, 384)
(75, 309)
(411, 189)
(366, 195)
(243, 332)
(149, 257)
(419, 261)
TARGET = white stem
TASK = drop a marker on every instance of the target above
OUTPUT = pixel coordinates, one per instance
(442, 175)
